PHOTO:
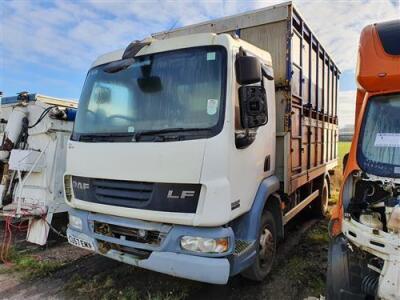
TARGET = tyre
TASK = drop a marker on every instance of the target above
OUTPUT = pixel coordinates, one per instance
(266, 249)
(320, 206)
(345, 272)
(337, 278)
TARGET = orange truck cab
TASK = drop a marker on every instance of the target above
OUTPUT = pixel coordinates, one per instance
(364, 252)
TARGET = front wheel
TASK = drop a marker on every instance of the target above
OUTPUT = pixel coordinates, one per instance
(266, 249)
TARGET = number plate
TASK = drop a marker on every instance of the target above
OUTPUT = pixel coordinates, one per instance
(80, 242)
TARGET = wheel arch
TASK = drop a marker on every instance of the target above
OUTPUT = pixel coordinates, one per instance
(273, 204)
(246, 227)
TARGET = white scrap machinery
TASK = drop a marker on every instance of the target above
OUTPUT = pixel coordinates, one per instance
(34, 130)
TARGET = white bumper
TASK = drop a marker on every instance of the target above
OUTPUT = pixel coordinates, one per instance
(383, 245)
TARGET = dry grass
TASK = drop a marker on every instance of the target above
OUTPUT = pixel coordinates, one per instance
(337, 179)
(29, 266)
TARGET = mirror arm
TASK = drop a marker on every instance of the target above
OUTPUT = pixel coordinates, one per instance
(242, 141)
(267, 72)
(241, 52)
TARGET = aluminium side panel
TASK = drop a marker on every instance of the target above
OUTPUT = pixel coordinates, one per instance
(272, 38)
(258, 17)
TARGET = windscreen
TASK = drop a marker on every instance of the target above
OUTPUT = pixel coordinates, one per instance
(379, 144)
(180, 90)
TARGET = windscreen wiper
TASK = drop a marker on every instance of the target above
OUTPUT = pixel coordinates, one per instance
(135, 135)
(103, 136)
(138, 134)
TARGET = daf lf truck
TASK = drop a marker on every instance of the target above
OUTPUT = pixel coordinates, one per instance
(193, 149)
(364, 255)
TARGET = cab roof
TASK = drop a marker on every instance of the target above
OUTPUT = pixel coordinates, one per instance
(379, 57)
(188, 41)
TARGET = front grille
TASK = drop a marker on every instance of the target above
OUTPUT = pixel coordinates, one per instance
(157, 196)
(151, 237)
(122, 193)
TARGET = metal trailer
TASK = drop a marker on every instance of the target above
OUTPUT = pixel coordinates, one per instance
(34, 131)
(306, 80)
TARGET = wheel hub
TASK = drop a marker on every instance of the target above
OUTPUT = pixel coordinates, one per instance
(267, 248)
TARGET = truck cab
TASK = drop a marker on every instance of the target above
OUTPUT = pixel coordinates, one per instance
(364, 254)
(158, 140)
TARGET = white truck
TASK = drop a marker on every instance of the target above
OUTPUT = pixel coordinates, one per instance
(34, 130)
(192, 149)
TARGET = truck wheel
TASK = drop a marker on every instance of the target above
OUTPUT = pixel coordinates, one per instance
(337, 278)
(266, 249)
(345, 273)
(320, 207)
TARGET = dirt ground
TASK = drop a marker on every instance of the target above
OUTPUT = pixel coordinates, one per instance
(61, 271)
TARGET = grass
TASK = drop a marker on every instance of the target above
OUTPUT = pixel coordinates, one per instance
(29, 266)
(318, 235)
(344, 148)
(109, 286)
(306, 266)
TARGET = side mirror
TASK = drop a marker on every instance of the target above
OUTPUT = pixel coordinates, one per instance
(345, 160)
(248, 70)
(253, 106)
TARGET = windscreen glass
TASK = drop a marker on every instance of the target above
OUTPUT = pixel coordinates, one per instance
(379, 143)
(181, 90)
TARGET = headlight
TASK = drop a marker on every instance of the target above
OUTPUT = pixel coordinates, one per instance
(75, 222)
(204, 245)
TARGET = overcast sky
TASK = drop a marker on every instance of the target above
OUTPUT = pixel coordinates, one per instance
(47, 46)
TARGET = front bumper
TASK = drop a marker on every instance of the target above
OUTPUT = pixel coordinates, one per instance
(165, 256)
(205, 269)
(383, 245)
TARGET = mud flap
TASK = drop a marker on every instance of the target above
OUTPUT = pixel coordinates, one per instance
(339, 285)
